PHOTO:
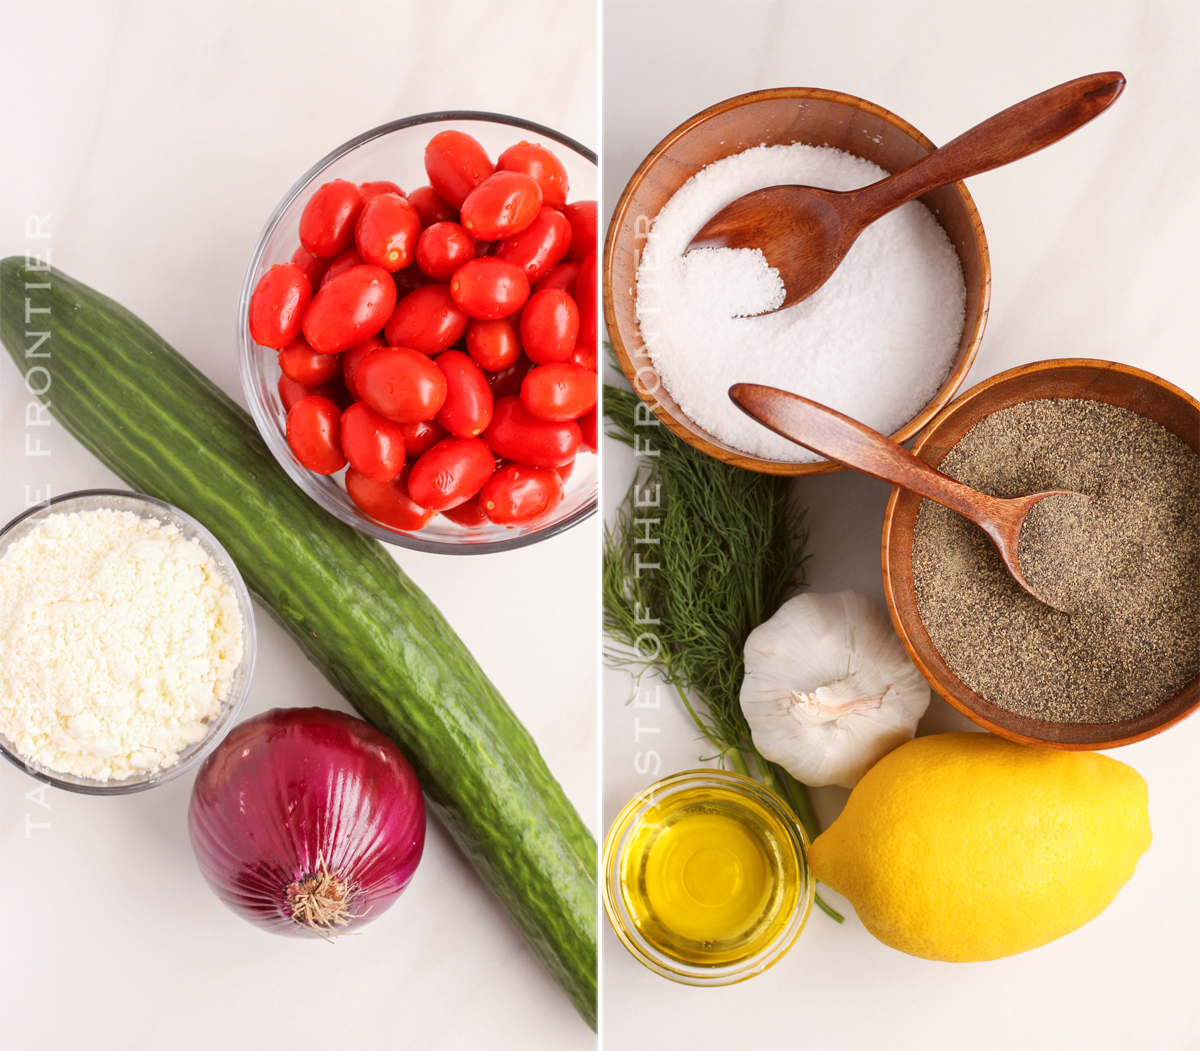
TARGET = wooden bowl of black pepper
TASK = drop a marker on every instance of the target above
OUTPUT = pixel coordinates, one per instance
(1122, 664)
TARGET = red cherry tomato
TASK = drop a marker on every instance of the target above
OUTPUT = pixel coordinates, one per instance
(373, 444)
(494, 345)
(585, 357)
(584, 231)
(549, 327)
(374, 189)
(314, 268)
(468, 514)
(542, 166)
(327, 222)
(586, 299)
(409, 280)
(538, 248)
(299, 362)
(518, 493)
(489, 288)
(427, 320)
(517, 435)
(589, 426)
(277, 306)
(559, 392)
(468, 407)
(401, 384)
(450, 473)
(352, 357)
(562, 276)
(507, 382)
(501, 206)
(386, 232)
(442, 249)
(455, 164)
(351, 307)
(421, 436)
(339, 264)
(291, 392)
(312, 434)
(387, 502)
(430, 207)
(564, 472)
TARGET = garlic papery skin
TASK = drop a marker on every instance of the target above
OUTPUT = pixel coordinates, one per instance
(829, 690)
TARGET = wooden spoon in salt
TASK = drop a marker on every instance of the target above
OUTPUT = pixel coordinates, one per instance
(804, 232)
(854, 445)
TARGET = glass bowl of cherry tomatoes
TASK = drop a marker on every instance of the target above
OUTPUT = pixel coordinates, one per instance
(417, 332)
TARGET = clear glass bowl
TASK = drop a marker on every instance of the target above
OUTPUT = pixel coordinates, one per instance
(705, 962)
(396, 151)
(144, 507)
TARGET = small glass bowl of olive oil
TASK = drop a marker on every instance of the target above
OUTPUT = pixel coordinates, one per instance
(706, 877)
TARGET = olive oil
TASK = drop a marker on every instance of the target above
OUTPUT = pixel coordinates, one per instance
(710, 875)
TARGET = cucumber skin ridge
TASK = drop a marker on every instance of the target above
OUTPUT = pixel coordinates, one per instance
(168, 431)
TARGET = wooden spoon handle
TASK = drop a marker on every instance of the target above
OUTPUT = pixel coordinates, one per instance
(1016, 132)
(828, 432)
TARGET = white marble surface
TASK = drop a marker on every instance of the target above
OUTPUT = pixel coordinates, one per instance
(1093, 255)
(158, 137)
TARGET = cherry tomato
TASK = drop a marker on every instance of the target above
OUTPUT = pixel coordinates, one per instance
(387, 502)
(450, 473)
(327, 222)
(507, 382)
(386, 232)
(299, 362)
(564, 472)
(455, 164)
(409, 280)
(517, 435)
(401, 384)
(374, 189)
(538, 248)
(559, 392)
(585, 357)
(347, 310)
(430, 207)
(518, 493)
(421, 436)
(468, 514)
(373, 444)
(339, 264)
(442, 249)
(586, 293)
(562, 276)
(542, 166)
(589, 426)
(314, 268)
(352, 357)
(501, 206)
(290, 392)
(494, 345)
(549, 327)
(312, 434)
(489, 288)
(468, 407)
(277, 306)
(584, 233)
(427, 320)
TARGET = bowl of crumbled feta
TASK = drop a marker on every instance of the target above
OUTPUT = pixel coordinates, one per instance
(127, 642)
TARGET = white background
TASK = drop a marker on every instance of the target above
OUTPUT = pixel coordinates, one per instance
(159, 137)
(1093, 247)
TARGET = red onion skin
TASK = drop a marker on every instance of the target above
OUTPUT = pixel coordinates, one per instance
(295, 786)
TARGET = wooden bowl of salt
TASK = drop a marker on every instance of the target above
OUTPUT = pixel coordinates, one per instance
(779, 116)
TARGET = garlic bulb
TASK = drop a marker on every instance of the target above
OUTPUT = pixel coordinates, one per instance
(829, 690)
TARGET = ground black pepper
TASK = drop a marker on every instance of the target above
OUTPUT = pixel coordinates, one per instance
(1124, 563)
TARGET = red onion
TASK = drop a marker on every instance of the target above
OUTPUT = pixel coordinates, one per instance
(306, 820)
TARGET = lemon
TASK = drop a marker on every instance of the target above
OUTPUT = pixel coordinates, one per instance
(968, 847)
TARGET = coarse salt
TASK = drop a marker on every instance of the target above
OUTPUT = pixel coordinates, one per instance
(874, 342)
(120, 638)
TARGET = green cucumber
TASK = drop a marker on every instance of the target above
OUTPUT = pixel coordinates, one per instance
(169, 432)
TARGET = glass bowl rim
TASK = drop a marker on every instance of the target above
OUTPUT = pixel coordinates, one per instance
(265, 425)
(613, 852)
(232, 706)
